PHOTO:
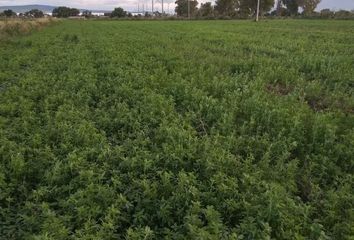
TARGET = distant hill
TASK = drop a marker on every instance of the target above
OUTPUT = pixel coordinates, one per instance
(25, 8)
(43, 8)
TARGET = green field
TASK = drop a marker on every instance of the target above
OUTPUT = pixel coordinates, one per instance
(178, 130)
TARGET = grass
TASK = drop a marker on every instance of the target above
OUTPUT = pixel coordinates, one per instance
(178, 130)
(15, 27)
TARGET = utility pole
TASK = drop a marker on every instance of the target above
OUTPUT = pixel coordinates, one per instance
(257, 17)
(152, 7)
(162, 7)
(189, 9)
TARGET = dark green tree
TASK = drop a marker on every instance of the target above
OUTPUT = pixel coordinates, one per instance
(118, 13)
(182, 7)
(9, 13)
(309, 6)
(280, 10)
(327, 13)
(34, 13)
(226, 7)
(74, 12)
(64, 12)
(292, 6)
(87, 14)
(206, 10)
(249, 7)
(343, 14)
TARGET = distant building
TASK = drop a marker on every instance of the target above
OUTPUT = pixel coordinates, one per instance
(140, 13)
(98, 14)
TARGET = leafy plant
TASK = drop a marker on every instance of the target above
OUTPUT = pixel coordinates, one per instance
(169, 130)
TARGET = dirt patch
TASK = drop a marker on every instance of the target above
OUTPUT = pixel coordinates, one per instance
(279, 89)
(318, 104)
(344, 106)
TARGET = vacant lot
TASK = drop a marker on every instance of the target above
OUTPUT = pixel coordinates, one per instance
(178, 130)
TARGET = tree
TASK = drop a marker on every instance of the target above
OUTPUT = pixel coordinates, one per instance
(309, 6)
(64, 12)
(9, 13)
(292, 6)
(118, 13)
(279, 10)
(34, 13)
(206, 10)
(343, 14)
(157, 14)
(327, 13)
(182, 7)
(74, 12)
(87, 14)
(249, 7)
(226, 7)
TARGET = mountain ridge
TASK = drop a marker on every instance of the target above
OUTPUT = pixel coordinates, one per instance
(43, 8)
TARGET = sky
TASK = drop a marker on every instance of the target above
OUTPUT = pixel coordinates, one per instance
(132, 4)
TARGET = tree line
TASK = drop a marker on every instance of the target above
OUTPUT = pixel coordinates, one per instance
(34, 13)
(248, 8)
(221, 8)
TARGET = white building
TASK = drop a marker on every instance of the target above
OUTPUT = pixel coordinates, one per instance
(98, 14)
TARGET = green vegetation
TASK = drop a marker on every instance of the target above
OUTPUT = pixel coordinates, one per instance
(182, 8)
(178, 130)
(34, 13)
(8, 13)
(118, 13)
(64, 12)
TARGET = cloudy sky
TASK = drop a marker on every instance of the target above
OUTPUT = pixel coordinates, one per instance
(132, 4)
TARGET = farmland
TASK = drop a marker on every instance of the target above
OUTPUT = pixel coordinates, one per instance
(178, 130)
